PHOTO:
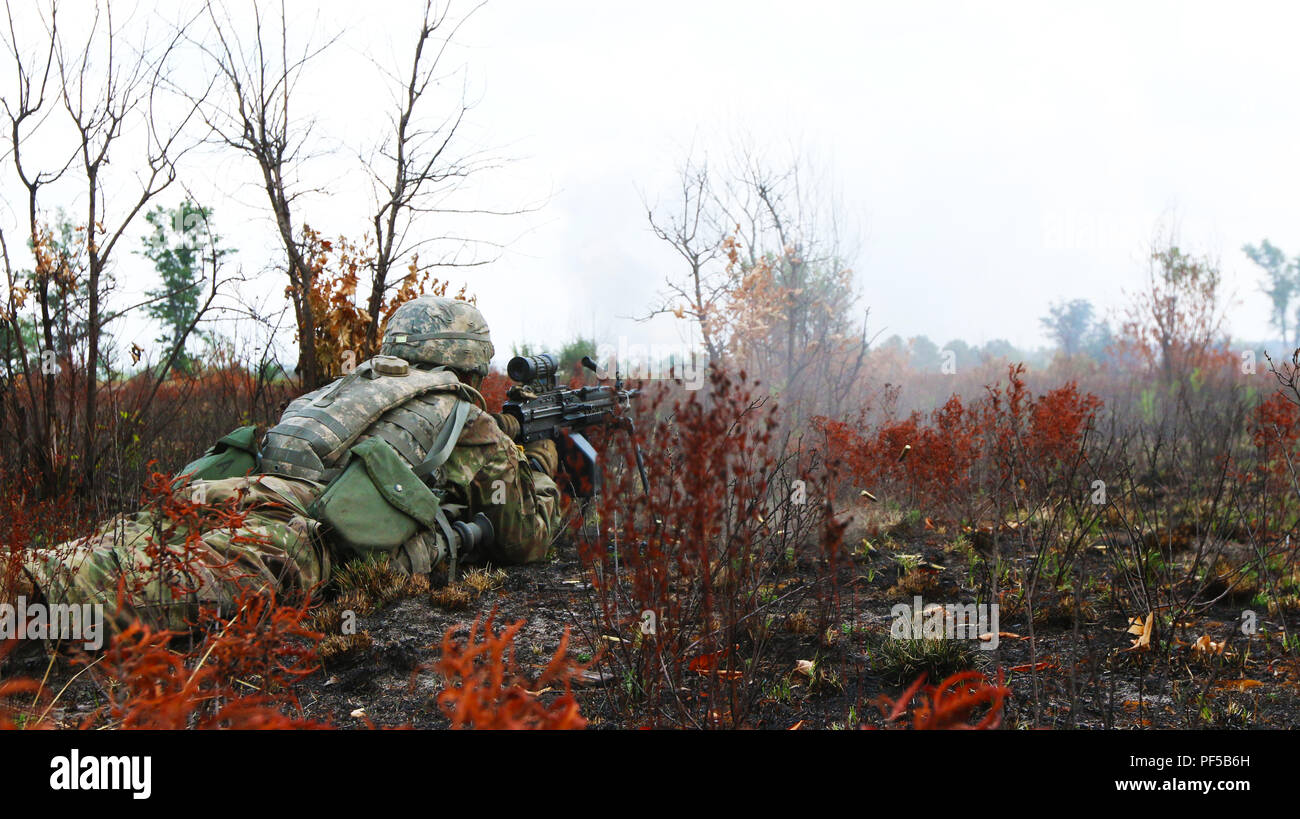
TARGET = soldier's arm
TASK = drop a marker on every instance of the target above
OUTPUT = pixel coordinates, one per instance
(523, 504)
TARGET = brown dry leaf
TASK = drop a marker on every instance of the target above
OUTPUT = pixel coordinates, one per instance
(796, 726)
(1003, 635)
(1143, 641)
(1238, 685)
(1045, 665)
(1204, 645)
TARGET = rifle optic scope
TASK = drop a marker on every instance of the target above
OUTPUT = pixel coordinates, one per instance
(525, 369)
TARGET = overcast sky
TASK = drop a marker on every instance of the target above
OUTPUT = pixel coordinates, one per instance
(990, 157)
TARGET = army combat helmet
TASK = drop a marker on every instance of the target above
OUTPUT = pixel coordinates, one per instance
(442, 332)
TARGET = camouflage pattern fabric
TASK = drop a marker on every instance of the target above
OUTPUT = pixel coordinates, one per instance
(445, 332)
(488, 473)
(146, 566)
(161, 571)
(313, 438)
(140, 566)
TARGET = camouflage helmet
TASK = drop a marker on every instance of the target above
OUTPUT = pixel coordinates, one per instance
(439, 331)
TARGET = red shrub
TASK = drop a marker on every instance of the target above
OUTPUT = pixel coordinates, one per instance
(238, 676)
(966, 447)
(677, 572)
(952, 704)
(486, 690)
(1275, 431)
(17, 696)
(1057, 422)
(494, 387)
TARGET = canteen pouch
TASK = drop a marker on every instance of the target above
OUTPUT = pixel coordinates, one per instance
(377, 503)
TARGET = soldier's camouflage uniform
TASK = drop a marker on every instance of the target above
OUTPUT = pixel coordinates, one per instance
(124, 566)
(280, 546)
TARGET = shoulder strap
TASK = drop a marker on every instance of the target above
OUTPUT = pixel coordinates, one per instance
(447, 438)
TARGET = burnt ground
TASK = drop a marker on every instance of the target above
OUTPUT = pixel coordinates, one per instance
(1070, 674)
(1112, 688)
(1062, 673)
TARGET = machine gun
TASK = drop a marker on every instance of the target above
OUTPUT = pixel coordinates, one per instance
(543, 409)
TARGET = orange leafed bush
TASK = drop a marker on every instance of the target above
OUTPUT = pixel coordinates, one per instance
(1057, 421)
(1275, 431)
(342, 323)
(239, 676)
(1007, 435)
(952, 704)
(15, 696)
(27, 521)
(485, 688)
(679, 568)
(493, 389)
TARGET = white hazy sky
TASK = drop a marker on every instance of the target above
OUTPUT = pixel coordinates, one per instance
(990, 157)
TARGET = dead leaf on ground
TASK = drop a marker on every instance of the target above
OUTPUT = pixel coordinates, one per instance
(1142, 628)
(1238, 685)
(1204, 645)
(1045, 665)
(1005, 635)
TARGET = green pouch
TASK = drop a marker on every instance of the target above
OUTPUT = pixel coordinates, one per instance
(377, 503)
(234, 456)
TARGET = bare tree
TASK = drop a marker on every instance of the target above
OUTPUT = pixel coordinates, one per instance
(251, 115)
(419, 166)
(801, 246)
(692, 232)
(25, 109)
(108, 85)
(99, 98)
(416, 168)
(1176, 319)
(765, 278)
